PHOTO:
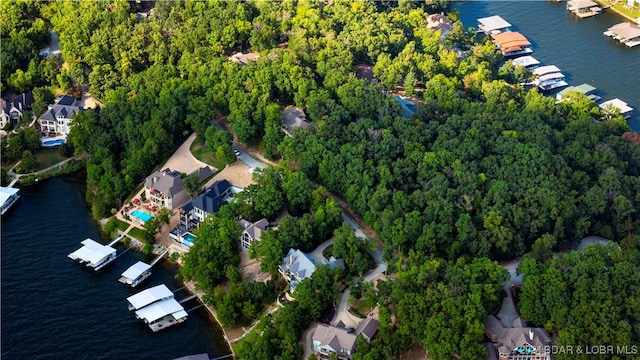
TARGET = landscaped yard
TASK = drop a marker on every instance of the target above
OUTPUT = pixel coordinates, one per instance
(120, 225)
(328, 252)
(47, 157)
(137, 233)
(360, 308)
(621, 6)
(205, 154)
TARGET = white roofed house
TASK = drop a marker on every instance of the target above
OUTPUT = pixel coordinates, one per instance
(56, 120)
(252, 233)
(165, 189)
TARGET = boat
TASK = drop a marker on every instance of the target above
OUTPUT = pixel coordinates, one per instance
(93, 254)
(8, 197)
(136, 274)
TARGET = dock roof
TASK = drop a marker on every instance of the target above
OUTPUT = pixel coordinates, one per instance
(625, 31)
(6, 193)
(510, 40)
(525, 61)
(136, 270)
(580, 4)
(583, 88)
(92, 252)
(547, 69)
(160, 309)
(493, 23)
(619, 104)
(151, 295)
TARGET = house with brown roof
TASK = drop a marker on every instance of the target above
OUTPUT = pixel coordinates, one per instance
(368, 328)
(294, 118)
(252, 233)
(439, 22)
(517, 341)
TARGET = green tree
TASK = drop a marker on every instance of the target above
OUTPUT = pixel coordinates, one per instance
(28, 162)
(192, 184)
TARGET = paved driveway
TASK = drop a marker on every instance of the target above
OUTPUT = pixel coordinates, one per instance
(247, 159)
(182, 160)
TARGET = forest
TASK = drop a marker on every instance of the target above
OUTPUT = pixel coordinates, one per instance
(484, 171)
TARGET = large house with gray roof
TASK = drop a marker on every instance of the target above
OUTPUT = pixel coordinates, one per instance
(518, 341)
(194, 212)
(252, 232)
(295, 267)
(12, 110)
(56, 120)
(294, 118)
(165, 189)
(340, 341)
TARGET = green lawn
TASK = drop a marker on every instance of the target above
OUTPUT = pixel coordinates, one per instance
(328, 252)
(47, 157)
(120, 225)
(621, 7)
(205, 154)
(137, 233)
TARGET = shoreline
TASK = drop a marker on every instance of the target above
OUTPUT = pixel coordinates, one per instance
(617, 12)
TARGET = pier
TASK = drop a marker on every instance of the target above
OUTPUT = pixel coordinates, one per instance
(158, 308)
(93, 254)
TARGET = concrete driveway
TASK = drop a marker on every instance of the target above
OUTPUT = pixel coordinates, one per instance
(307, 339)
(316, 254)
(182, 160)
(247, 159)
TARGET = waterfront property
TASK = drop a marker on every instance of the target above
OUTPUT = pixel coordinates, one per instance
(195, 211)
(141, 216)
(149, 296)
(493, 25)
(165, 189)
(619, 105)
(626, 33)
(585, 89)
(8, 197)
(295, 267)
(56, 120)
(512, 44)
(93, 254)
(583, 8)
(157, 307)
(252, 232)
(12, 110)
(439, 22)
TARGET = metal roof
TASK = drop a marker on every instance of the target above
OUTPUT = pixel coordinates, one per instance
(160, 309)
(149, 296)
(493, 23)
(92, 252)
(617, 103)
(547, 69)
(6, 193)
(525, 61)
(136, 270)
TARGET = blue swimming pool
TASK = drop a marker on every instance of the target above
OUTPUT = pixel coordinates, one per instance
(188, 239)
(142, 215)
(53, 142)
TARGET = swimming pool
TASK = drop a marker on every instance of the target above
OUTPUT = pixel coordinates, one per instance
(142, 215)
(53, 142)
(188, 239)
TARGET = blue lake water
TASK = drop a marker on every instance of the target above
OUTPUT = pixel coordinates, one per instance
(53, 308)
(576, 46)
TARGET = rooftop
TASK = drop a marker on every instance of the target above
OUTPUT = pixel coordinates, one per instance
(508, 41)
(334, 338)
(547, 69)
(243, 59)
(92, 252)
(166, 182)
(525, 61)
(255, 230)
(160, 309)
(293, 117)
(625, 31)
(6, 193)
(493, 23)
(149, 296)
(619, 104)
(580, 4)
(136, 270)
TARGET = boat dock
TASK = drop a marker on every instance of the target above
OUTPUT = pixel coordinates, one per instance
(93, 254)
(139, 271)
(149, 296)
(621, 106)
(493, 25)
(583, 8)
(512, 44)
(626, 33)
(158, 308)
(585, 89)
(8, 197)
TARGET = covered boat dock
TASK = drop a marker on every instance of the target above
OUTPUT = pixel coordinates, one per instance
(526, 61)
(512, 43)
(623, 107)
(93, 254)
(493, 25)
(149, 296)
(162, 314)
(583, 8)
(585, 89)
(136, 274)
(626, 33)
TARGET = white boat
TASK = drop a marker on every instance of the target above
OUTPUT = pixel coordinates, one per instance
(8, 197)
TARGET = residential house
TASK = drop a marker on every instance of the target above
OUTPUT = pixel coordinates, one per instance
(518, 341)
(56, 120)
(439, 22)
(252, 233)
(329, 339)
(295, 267)
(294, 118)
(12, 110)
(194, 212)
(243, 59)
(165, 189)
(204, 173)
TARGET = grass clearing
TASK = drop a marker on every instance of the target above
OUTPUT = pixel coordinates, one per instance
(137, 233)
(47, 157)
(120, 225)
(205, 154)
(328, 252)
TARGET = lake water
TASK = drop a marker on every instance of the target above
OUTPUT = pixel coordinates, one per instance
(53, 308)
(576, 46)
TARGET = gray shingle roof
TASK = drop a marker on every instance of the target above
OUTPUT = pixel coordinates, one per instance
(293, 117)
(208, 202)
(336, 338)
(255, 230)
(368, 327)
(165, 182)
(298, 263)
